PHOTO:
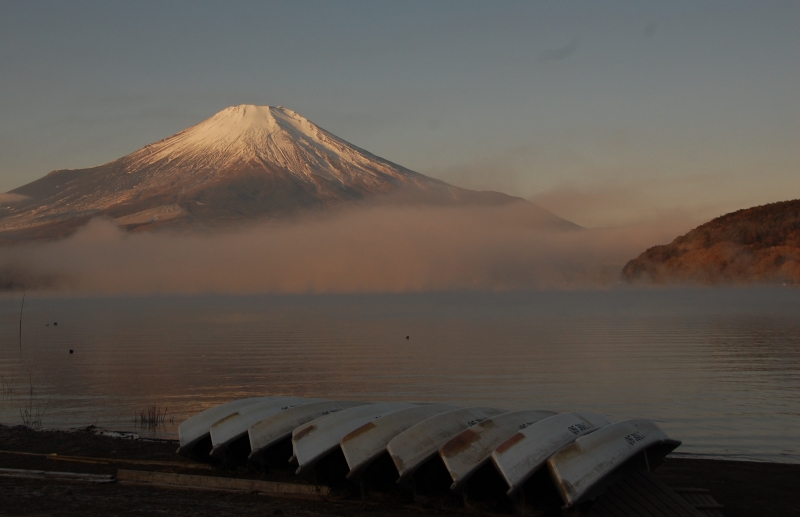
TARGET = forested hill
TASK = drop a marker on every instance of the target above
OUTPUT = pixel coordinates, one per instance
(754, 245)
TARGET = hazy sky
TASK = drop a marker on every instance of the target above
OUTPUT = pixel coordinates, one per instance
(607, 113)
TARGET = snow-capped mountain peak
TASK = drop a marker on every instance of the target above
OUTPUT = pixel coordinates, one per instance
(271, 135)
(244, 163)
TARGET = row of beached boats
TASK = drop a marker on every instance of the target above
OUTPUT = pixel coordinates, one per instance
(578, 451)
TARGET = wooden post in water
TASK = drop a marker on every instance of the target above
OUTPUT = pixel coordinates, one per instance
(20, 319)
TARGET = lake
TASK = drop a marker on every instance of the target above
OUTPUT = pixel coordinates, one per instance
(717, 368)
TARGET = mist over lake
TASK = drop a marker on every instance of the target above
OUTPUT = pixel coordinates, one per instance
(717, 368)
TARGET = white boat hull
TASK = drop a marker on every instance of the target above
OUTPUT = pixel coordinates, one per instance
(235, 425)
(316, 439)
(582, 468)
(471, 448)
(278, 427)
(525, 452)
(417, 444)
(196, 428)
(365, 444)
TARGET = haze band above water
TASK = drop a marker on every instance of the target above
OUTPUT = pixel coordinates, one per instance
(394, 249)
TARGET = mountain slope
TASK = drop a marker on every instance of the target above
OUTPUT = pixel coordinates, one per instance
(755, 245)
(244, 163)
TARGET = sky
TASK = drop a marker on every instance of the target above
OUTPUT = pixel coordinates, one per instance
(609, 114)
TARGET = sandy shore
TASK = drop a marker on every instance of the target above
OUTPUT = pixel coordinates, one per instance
(744, 488)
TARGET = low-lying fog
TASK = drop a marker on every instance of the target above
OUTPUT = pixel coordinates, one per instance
(380, 249)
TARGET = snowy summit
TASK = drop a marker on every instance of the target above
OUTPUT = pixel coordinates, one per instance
(272, 136)
(246, 162)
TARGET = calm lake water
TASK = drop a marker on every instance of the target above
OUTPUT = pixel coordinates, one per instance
(717, 368)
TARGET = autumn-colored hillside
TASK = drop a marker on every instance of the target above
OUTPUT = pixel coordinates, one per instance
(755, 245)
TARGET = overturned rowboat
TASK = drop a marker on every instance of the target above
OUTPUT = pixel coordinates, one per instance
(197, 429)
(234, 427)
(274, 429)
(366, 443)
(471, 448)
(419, 443)
(318, 438)
(584, 468)
(524, 453)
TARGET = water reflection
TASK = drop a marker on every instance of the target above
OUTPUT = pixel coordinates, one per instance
(720, 369)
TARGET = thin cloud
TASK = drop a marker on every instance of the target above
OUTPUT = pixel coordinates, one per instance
(618, 203)
(500, 172)
(561, 53)
(9, 198)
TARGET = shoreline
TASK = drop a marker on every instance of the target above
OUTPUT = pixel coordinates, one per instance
(141, 434)
(722, 458)
(744, 488)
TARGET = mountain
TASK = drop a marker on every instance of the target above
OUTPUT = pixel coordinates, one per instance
(245, 163)
(755, 245)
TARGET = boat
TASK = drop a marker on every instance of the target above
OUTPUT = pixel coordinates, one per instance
(234, 426)
(417, 444)
(524, 453)
(195, 429)
(466, 452)
(278, 427)
(363, 445)
(583, 469)
(317, 438)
